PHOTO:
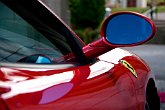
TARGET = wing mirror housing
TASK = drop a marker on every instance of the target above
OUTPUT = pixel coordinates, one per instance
(120, 30)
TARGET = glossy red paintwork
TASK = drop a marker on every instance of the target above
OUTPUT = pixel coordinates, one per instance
(96, 48)
(101, 85)
(33, 86)
(105, 84)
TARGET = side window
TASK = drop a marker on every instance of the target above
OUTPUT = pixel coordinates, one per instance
(20, 42)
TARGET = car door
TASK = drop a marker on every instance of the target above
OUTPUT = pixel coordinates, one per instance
(108, 86)
(98, 86)
(34, 86)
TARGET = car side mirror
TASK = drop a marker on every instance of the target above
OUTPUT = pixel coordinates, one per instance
(121, 29)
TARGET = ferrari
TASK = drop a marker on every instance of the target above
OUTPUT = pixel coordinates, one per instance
(44, 65)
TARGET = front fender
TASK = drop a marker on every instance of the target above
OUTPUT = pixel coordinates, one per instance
(141, 68)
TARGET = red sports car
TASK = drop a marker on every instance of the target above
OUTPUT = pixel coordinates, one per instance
(45, 66)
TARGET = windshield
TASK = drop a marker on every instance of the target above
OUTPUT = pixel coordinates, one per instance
(19, 40)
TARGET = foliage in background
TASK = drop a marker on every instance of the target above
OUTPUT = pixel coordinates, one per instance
(87, 34)
(161, 8)
(86, 16)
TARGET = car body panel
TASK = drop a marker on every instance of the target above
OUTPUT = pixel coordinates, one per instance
(102, 83)
(33, 86)
(143, 71)
(94, 86)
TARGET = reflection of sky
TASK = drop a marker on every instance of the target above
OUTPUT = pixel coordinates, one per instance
(99, 68)
(55, 92)
(107, 62)
(114, 55)
(19, 84)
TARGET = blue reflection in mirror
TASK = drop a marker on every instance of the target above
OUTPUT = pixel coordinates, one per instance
(127, 29)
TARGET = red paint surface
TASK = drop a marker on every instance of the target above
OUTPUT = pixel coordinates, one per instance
(112, 88)
(107, 86)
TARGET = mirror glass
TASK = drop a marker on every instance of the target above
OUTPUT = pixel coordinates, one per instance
(125, 29)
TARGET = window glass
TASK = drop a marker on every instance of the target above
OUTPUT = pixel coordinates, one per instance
(20, 42)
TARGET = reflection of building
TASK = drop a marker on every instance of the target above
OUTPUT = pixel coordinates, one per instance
(112, 3)
(127, 3)
(60, 7)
